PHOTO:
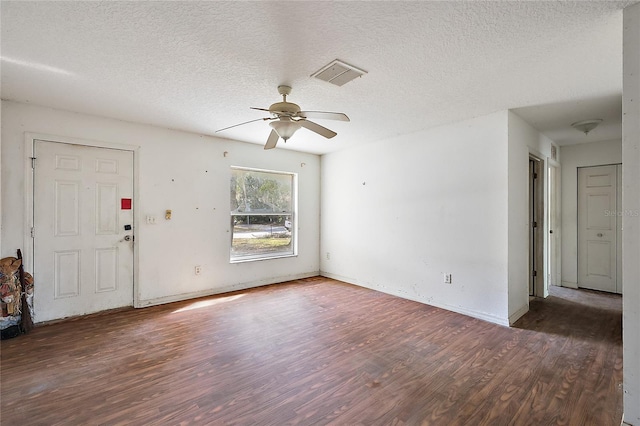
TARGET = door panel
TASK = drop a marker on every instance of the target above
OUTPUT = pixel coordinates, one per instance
(598, 254)
(597, 227)
(81, 259)
(597, 204)
(66, 273)
(67, 215)
(106, 269)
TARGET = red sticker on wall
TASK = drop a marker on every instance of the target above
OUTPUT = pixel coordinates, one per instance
(125, 203)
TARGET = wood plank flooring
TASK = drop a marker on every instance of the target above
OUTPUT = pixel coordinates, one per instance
(319, 352)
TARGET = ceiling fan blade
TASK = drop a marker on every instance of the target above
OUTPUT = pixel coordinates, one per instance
(324, 115)
(272, 141)
(246, 122)
(322, 131)
(259, 109)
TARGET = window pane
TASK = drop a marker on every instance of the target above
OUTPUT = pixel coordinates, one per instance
(261, 236)
(262, 213)
(263, 192)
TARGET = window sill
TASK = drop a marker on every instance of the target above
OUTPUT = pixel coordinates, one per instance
(255, 259)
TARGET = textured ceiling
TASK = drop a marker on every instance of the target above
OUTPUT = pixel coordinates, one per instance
(199, 66)
(554, 120)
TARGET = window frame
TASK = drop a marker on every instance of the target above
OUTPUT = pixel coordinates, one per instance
(292, 214)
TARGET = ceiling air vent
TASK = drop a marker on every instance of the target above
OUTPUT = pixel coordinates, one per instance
(338, 73)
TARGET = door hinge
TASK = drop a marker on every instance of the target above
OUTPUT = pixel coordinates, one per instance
(534, 224)
(33, 162)
(534, 273)
(33, 232)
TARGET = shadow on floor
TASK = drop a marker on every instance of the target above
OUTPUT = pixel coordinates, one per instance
(580, 314)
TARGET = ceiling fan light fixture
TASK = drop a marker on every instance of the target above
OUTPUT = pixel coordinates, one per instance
(286, 118)
(285, 127)
(585, 126)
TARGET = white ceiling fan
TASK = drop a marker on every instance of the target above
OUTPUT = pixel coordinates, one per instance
(286, 118)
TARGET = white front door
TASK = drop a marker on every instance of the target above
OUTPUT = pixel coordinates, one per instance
(83, 229)
(598, 228)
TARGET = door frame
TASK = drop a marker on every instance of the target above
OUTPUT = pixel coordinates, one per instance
(537, 258)
(541, 288)
(554, 218)
(619, 253)
(29, 189)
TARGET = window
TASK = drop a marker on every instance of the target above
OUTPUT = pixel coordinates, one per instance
(262, 214)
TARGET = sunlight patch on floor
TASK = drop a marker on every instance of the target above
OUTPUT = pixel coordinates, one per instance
(206, 303)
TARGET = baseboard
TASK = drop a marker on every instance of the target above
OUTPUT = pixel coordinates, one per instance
(518, 314)
(220, 290)
(457, 309)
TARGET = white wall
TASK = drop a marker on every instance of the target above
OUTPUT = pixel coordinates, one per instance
(574, 156)
(398, 214)
(184, 172)
(1, 227)
(631, 223)
(523, 140)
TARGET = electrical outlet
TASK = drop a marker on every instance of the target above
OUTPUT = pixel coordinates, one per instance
(328, 256)
(447, 278)
(198, 270)
(151, 220)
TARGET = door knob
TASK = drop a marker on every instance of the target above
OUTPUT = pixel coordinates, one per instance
(127, 237)
(600, 234)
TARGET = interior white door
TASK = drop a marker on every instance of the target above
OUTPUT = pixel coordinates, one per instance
(597, 227)
(83, 229)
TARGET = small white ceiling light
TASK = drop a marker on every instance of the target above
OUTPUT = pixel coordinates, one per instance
(285, 127)
(585, 126)
(338, 73)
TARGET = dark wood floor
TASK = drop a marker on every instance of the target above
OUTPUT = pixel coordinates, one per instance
(315, 352)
